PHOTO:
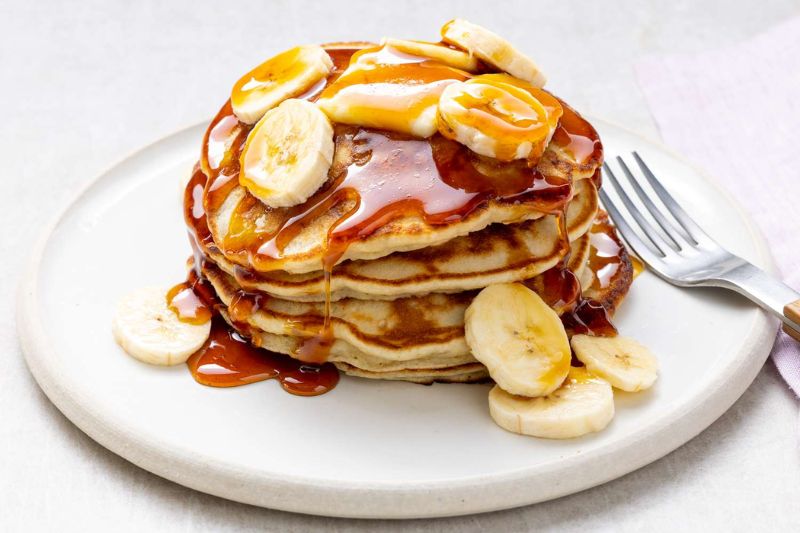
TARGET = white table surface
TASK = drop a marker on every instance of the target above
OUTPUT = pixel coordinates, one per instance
(82, 85)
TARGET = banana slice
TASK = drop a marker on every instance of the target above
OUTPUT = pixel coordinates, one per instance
(498, 116)
(437, 52)
(519, 338)
(583, 404)
(148, 330)
(287, 155)
(385, 91)
(284, 76)
(621, 361)
(493, 49)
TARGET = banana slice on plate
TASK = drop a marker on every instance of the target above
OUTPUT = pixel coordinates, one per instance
(493, 49)
(150, 331)
(437, 52)
(288, 74)
(522, 342)
(287, 155)
(621, 361)
(500, 117)
(583, 404)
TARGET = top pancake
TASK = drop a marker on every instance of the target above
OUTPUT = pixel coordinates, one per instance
(497, 254)
(452, 192)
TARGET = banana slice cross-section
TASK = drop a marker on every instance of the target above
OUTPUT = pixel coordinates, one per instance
(148, 330)
(493, 49)
(498, 116)
(288, 74)
(621, 361)
(287, 155)
(522, 342)
(583, 404)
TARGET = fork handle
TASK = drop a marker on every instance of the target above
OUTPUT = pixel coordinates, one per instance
(768, 292)
(792, 312)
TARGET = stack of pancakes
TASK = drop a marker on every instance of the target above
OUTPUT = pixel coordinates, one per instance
(397, 295)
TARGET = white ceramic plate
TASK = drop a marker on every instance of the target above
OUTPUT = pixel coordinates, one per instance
(368, 449)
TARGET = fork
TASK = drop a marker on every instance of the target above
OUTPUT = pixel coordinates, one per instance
(684, 255)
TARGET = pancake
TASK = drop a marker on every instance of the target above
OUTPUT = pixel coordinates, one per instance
(417, 338)
(466, 373)
(385, 193)
(497, 254)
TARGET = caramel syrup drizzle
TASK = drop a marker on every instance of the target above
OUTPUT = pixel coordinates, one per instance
(183, 299)
(560, 288)
(578, 138)
(390, 176)
(228, 359)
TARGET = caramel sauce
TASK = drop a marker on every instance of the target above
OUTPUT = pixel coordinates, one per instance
(341, 57)
(194, 214)
(560, 288)
(184, 301)
(228, 360)
(578, 138)
(604, 255)
(590, 318)
(245, 303)
(607, 256)
(606, 259)
(315, 349)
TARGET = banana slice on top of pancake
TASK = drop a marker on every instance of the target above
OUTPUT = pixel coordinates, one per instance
(381, 89)
(288, 74)
(452, 57)
(287, 154)
(498, 116)
(493, 49)
(583, 404)
(519, 338)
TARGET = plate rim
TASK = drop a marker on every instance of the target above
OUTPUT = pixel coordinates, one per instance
(389, 499)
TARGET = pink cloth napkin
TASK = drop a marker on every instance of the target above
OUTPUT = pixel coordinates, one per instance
(736, 112)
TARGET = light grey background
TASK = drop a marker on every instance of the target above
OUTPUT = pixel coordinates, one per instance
(84, 84)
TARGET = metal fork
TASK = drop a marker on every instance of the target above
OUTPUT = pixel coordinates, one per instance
(684, 255)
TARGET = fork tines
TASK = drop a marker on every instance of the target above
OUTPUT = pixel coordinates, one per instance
(678, 231)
